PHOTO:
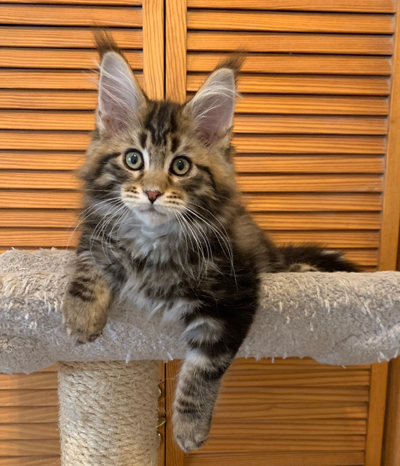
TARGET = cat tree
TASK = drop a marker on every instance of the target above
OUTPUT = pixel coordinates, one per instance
(108, 389)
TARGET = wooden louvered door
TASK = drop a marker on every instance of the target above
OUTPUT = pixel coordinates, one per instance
(316, 161)
(47, 97)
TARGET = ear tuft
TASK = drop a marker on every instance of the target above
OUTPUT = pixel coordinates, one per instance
(234, 62)
(212, 108)
(105, 43)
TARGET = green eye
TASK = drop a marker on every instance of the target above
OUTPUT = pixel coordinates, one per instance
(181, 166)
(134, 159)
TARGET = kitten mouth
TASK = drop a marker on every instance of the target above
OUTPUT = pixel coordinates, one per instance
(151, 210)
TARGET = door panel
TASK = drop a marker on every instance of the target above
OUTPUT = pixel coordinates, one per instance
(315, 153)
(47, 100)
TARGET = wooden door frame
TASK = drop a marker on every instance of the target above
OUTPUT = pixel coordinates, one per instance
(389, 240)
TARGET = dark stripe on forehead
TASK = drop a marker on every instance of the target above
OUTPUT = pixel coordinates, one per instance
(150, 115)
(143, 139)
(174, 118)
(161, 121)
(175, 144)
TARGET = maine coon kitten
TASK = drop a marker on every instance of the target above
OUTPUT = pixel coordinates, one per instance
(164, 227)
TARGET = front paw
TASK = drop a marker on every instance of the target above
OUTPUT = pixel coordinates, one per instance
(84, 320)
(190, 430)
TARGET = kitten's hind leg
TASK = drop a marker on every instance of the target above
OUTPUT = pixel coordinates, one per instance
(86, 301)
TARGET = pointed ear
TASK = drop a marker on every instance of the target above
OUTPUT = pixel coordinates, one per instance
(212, 108)
(119, 95)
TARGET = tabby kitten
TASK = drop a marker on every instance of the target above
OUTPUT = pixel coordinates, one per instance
(164, 228)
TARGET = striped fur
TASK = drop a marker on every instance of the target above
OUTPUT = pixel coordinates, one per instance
(192, 253)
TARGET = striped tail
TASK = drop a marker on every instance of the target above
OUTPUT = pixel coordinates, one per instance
(311, 258)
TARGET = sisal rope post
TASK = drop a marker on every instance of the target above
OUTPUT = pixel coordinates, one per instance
(108, 413)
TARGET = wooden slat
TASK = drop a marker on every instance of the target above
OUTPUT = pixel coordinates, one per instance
(293, 43)
(301, 395)
(65, 37)
(356, 6)
(31, 461)
(38, 180)
(28, 218)
(29, 447)
(28, 398)
(39, 200)
(307, 144)
(291, 22)
(29, 415)
(270, 411)
(35, 79)
(70, 15)
(315, 183)
(302, 164)
(363, 257)
(303, 378)
(53, 100)
(60, 58)
(41, 161)
(301, 428)
(299, 124)
(294, 221)
(290, 363)
(28, 140)
(226, 443)
(331, 239)
(304, 202)
(281, 104)
(302, 64)
(61, 120)
(278, 459)
(295, 84)
(26, 432)
(253, 442)
(37, 238)
(35, 381)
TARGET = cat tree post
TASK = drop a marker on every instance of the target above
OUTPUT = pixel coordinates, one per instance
(108, 413)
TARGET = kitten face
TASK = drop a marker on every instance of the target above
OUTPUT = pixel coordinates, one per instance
(164, 162)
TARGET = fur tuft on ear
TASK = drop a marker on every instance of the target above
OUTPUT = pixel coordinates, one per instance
(105, 42)
(119, 93)
(234, 62)
(213, 106)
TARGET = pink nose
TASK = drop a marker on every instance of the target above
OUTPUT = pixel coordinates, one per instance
(153, 195)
